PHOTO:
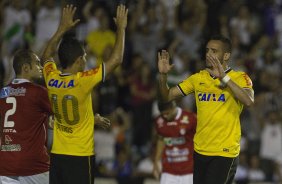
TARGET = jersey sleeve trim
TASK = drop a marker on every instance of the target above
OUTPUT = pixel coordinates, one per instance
(47, 61)
(103, 72)
(180, 89)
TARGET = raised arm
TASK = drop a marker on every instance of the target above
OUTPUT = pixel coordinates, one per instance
(65, 25)
(117, 54)
(166, 93)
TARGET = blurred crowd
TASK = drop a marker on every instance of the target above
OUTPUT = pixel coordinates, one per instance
(129, 96)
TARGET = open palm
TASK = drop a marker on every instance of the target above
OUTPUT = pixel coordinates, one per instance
(67, 19)
(163, 62)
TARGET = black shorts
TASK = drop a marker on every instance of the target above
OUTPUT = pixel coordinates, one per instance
(67, 169)
(214, 169)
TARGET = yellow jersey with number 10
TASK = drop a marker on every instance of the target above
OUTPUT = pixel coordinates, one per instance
(218, 130)
(70, 97)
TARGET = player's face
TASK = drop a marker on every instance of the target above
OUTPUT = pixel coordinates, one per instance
(214, 48)
(36, 68)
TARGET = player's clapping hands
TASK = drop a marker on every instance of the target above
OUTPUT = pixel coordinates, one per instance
(217, 69)
(121, 17)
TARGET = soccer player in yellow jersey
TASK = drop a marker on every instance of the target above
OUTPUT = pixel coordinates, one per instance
(220, 94)
(69, 90)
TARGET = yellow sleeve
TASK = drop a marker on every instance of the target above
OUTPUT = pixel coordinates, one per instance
(91, 78)
(186, 86)
(49, 68)
(244, 81)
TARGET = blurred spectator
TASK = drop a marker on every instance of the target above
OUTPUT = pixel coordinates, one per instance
(244, 25)
(123, 167)
(102, 37)
(8, 67)
(189, 34)
(241, 176)
(143, 92)
(144, 169)
(196, 10)
(255, 27)
(255, 173)
(271, 143)
(16, 24)
(146, 32)
(47, 21)
(2, 74)
(104, 150)
(108, 142)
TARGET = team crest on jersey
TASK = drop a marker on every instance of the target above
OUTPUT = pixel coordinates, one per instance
(184, 120)
(209, 97)
(8, 91)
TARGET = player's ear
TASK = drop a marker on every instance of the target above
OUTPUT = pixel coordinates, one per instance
(226, 56)
(81, 61)
(25, 68)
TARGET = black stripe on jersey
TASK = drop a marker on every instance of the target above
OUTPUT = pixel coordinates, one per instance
(226, 71)
(181, 90)
(103, 72)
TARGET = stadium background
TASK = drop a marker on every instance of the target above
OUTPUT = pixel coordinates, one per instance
(129, 96)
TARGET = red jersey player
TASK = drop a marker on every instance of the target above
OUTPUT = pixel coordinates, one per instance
(175, 128)
(24, 112)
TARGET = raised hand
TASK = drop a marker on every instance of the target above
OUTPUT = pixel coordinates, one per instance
(67, 19)
(217, 69)
(121, 17)
(163, 62)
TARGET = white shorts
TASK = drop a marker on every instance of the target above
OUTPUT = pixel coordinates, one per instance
(42, 178)
(167, 178)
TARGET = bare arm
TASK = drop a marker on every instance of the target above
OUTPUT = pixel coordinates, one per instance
(166, 93)
(65, 25)
(117, 54)
(245, 96)
(159, 149)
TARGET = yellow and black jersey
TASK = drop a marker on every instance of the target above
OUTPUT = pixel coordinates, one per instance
(218, 129)
(70, 96)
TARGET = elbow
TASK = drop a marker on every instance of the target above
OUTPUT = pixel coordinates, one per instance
(118, 59)
(249, 103)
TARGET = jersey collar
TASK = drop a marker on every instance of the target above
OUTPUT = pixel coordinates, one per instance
(179, 112)
(228, 69)
(19, 81)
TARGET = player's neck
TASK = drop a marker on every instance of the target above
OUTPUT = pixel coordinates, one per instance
(69, 70)
(23, 77)
(72, 69)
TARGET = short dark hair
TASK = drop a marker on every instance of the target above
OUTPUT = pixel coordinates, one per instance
(69, 50)
(2, 73)
(166, 105)
(21, 57)
(226, 42)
